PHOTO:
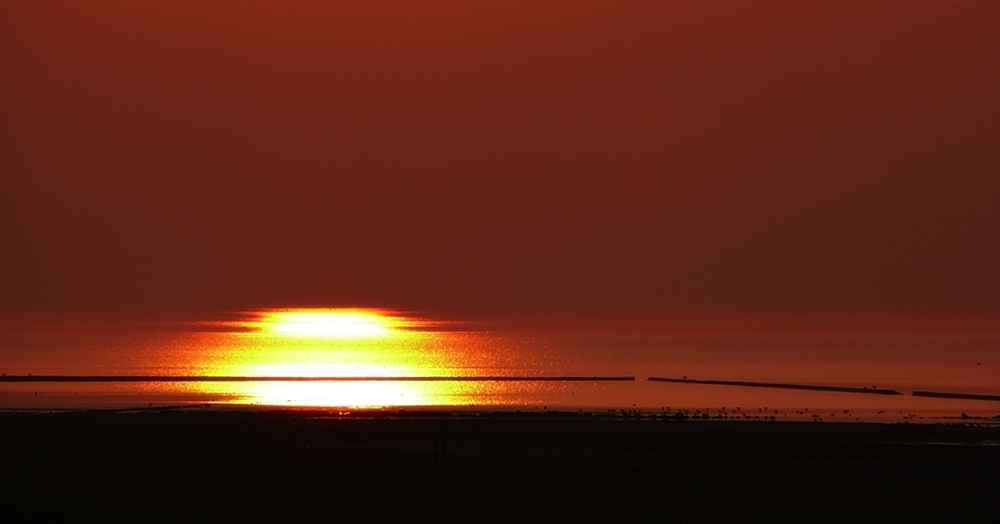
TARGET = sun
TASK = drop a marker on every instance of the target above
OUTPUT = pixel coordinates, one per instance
(331, 323)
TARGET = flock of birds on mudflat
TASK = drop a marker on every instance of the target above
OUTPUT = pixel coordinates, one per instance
(738, 413)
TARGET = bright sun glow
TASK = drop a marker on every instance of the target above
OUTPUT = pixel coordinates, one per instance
(336, 343)
(331, 323)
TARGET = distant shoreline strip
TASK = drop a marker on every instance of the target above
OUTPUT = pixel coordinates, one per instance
(964, 396)
(807, 387)
(213, 378)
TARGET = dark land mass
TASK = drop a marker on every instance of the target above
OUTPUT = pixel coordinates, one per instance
(419, 466)
(779, 385)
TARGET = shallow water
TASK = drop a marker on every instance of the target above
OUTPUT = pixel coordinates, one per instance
(906, 354)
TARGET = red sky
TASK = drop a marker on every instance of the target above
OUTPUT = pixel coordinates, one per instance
(482, 156)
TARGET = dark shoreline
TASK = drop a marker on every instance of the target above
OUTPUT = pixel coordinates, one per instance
(962, 396)
(506, 466)
(778, 385)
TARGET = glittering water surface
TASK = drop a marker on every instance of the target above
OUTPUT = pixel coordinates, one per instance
(953, 355)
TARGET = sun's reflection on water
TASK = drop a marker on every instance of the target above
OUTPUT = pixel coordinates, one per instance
(366, 343)
(335, 343)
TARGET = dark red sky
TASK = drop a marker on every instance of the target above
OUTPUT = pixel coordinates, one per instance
(476, 156)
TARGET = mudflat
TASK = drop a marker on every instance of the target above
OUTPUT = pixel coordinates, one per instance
(483, 466)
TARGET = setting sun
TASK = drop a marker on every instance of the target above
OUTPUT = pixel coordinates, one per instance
(330, 323)
(343, 349)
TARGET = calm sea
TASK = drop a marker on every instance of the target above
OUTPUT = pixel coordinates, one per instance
(411, 360)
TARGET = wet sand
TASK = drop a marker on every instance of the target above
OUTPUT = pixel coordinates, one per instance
(461, 466)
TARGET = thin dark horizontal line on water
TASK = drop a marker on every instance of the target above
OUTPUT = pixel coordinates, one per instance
(964, 396)
(214, 378)
(778, 385)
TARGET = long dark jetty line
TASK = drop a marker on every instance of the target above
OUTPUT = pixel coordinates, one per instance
(808, 387)
(215, 378)
(965, 396)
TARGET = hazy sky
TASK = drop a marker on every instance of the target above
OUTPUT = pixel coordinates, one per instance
(479, 156)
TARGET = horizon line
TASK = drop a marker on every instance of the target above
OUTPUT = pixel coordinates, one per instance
(232, 378)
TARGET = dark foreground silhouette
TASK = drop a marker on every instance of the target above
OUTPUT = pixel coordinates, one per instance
(205, 465)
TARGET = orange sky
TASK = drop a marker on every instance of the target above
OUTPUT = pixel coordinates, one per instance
(483, 156)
